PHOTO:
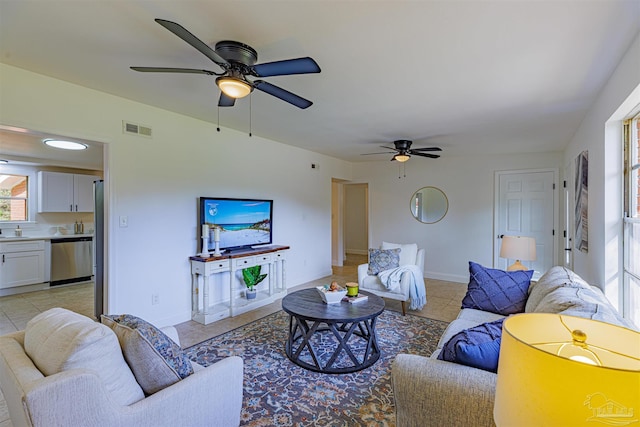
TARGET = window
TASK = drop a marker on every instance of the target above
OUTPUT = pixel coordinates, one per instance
(14, 198)
(631, 242)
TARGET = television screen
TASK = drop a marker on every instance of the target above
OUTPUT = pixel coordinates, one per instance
(242, 223)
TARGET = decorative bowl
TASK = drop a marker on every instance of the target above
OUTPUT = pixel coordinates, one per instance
(331, 297)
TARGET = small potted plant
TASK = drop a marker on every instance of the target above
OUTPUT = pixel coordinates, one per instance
(252, 277)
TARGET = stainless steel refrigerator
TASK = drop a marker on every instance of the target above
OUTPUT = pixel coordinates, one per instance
(98, 240)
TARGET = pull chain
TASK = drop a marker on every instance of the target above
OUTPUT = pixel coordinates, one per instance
(402, 169)
(218, 118)
(250, 112)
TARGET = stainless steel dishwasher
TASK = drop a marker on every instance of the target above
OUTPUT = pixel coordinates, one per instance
(71, 260)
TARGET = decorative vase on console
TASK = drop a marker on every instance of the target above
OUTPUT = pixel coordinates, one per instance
(252, 277)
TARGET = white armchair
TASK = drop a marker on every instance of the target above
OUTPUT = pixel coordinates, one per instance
(210, 396)
(373, 284)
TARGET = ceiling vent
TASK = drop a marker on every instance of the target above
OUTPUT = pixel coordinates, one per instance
(135, 129)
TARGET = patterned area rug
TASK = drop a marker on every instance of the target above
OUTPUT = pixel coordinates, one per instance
(280, 393)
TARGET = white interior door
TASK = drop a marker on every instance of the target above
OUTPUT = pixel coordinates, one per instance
(525, 206)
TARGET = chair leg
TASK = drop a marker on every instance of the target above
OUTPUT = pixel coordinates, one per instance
(404, 312)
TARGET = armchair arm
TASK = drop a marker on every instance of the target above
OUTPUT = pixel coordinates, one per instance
(431, 392)
(362, 273)
(196, 400)
(420, 260)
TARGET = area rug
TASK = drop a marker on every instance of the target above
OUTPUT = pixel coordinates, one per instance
(280, 393)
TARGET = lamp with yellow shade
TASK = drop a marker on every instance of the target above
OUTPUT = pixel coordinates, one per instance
(557, 370)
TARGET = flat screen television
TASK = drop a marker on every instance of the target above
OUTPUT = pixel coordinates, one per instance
(243, 223)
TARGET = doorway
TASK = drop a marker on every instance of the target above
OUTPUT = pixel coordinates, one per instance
(525, 205)
(23, 148)
(349, 220)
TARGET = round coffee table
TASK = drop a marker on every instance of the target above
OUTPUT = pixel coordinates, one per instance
(351, 344)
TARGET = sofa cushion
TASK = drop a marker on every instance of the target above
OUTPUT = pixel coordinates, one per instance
(454, 328)
(555, 277)
(497, 291)
(408, 251)
(383, 259)
(581, 302)
(156, 361)
(59, 340)
(478, 346)
(478, 316)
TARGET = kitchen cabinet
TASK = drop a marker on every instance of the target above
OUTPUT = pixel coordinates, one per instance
(65, 192)
(22, 263)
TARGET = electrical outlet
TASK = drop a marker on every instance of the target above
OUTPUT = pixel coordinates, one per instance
(155, 299)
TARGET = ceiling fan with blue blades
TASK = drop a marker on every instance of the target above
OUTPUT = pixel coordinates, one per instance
(402, 151)
(238, 62)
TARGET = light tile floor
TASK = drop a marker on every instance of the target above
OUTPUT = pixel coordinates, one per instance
(443, 303)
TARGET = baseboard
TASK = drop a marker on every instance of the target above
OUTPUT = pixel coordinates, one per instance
(357, 251)
(446, 277)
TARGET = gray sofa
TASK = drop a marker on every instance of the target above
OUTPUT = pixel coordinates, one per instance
(432, 392)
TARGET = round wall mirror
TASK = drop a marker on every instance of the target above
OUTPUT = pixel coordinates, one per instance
(429, 205)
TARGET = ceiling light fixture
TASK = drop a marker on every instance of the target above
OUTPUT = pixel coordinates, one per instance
(401, 157)
(233, 86)
(65, 145)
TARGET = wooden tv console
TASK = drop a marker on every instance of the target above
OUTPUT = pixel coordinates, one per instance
(215, 296)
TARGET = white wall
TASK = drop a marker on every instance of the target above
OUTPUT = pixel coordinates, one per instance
(156, 182)
(466, 232)
(600, 133)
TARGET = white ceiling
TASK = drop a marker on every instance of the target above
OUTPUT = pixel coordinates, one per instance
(470, 76)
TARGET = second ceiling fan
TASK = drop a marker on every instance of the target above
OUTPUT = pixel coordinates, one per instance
(238, 61)
(403, 151)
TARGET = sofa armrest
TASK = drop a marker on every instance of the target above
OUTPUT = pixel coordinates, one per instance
(431, 392)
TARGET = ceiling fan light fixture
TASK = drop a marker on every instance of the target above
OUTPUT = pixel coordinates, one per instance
(401, 157)
(65, 145)
(233, 86)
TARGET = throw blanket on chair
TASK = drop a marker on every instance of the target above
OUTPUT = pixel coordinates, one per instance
(391, 280)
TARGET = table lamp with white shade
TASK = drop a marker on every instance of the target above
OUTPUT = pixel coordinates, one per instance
(558, 370)
(519, 248)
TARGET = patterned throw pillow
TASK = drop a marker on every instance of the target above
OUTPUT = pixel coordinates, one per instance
(497, 291)
(155, 359)
(383, 259)
(478, 347)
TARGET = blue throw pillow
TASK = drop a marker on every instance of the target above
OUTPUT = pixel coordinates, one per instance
(497, 291)
(478, 347)
(383, 259)
(481, 356)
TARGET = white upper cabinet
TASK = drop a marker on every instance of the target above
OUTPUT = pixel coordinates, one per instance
(65, 192)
